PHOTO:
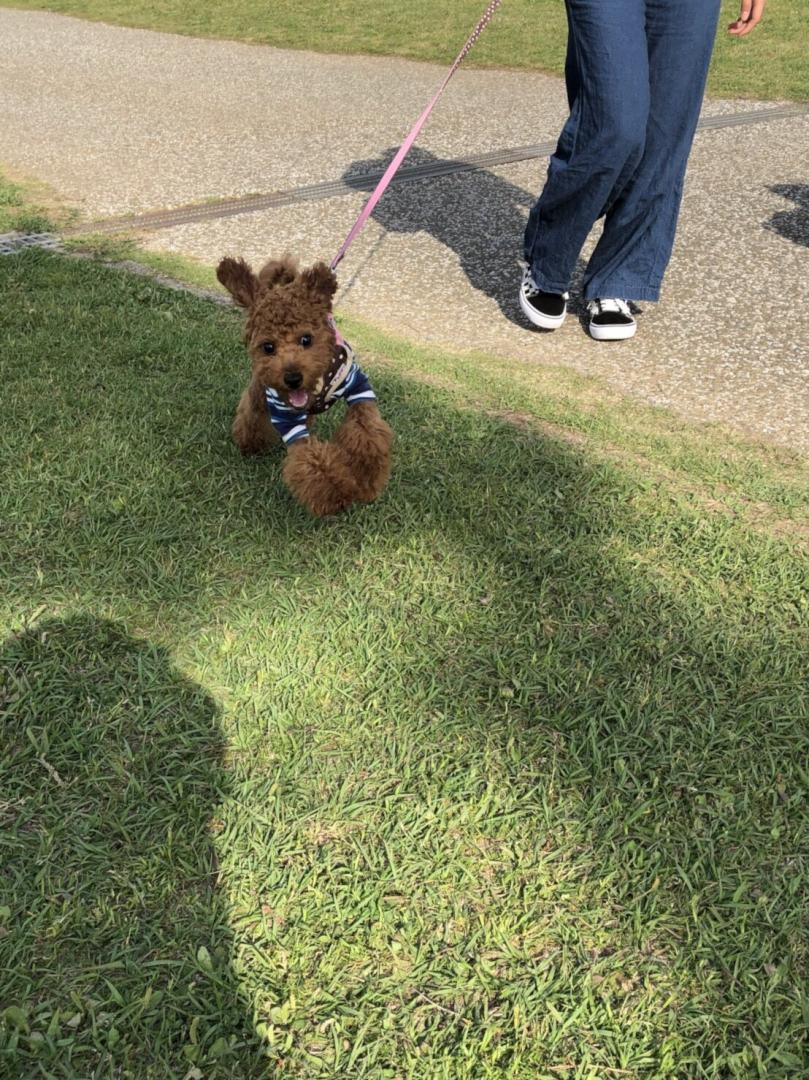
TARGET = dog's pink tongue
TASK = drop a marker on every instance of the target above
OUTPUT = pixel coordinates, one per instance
(298, 398)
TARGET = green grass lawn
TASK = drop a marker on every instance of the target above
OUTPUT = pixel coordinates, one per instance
(525, 33)
(28, 206)
(505, 775)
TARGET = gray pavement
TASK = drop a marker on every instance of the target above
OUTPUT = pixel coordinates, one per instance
(120, 120)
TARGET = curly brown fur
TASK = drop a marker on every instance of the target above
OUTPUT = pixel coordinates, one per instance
(278, 272)
(366, 439)
(320, 476)
(289, 336)
(252, 431)
(239, 280)
(283, 307)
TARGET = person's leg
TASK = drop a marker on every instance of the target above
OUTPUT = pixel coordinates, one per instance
(572, 76)
(603, 139)
(635, 246)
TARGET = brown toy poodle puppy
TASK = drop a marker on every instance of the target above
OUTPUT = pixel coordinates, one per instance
(301, 366)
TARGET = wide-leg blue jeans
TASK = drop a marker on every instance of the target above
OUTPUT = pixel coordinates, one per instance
(635, 77)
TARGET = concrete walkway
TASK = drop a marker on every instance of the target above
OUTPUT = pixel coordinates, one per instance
(120, 120)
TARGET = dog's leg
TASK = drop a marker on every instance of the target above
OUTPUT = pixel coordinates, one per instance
(252, 431)
(319, 475)
(366, 440)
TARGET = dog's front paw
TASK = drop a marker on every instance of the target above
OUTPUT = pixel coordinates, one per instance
(367, 440)
(252, 431)
(319, 476)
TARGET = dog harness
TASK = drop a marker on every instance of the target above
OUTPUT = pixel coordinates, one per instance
(344, 379)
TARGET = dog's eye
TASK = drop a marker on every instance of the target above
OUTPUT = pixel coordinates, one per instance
(306, 341)
(269, 348)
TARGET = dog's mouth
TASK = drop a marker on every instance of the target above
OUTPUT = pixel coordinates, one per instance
(299, 399)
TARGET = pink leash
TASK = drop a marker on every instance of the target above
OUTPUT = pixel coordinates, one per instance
(401, 154)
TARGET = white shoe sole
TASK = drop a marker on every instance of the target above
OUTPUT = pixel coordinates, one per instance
(546, 322)
(616, 332)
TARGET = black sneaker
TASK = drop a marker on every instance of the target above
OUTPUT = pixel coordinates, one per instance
(611, 320)
(544, 309)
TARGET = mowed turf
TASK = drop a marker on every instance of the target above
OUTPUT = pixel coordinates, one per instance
(505, 775)
(524, 34)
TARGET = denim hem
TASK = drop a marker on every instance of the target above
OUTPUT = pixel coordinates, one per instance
(545, 284)
(626, 291)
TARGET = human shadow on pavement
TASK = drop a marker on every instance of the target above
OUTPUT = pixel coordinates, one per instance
(116, 955)
(473, 212)
(792, 224)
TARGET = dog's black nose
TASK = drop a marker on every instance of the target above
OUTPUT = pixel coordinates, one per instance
(293, 379)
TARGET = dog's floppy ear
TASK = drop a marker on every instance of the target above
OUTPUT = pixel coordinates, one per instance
(278, 272)
(320, 281)
(239, 280)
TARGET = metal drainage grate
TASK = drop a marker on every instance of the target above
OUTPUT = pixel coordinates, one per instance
(11, 243)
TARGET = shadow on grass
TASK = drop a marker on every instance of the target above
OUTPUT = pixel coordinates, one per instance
(571, 710)
(116, 950)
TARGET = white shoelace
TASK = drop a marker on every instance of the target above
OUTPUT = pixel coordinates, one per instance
(610, 304)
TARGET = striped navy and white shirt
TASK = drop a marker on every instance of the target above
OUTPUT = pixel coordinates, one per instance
(348, 382)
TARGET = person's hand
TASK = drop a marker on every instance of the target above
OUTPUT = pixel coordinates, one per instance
(749, 16)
